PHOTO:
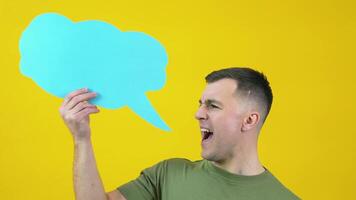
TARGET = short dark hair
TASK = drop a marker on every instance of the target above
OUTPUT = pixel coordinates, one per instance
(249, 82)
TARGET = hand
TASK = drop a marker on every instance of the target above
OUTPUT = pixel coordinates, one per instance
(75, 111)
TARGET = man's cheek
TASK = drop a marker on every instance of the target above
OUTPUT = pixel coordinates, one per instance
(232, 123)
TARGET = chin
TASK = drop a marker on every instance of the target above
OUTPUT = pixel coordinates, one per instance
(206, 156)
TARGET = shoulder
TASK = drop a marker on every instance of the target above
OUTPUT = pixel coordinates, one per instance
(279, 188)
(178, 161)
(178, 164)
(181, 162)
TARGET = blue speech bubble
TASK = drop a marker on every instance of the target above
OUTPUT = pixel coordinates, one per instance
(62, 56)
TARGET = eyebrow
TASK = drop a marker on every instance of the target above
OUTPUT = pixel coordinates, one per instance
(211, 101)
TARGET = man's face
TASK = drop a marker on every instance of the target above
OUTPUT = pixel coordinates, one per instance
(220, 117)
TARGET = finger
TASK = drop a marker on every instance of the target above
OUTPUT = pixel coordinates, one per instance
(85, 112)
(79, 98)
(80, 106)
(73, 94)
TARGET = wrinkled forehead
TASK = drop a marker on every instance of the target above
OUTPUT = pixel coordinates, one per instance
(220, 90)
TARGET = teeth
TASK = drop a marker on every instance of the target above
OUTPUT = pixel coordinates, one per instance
(204, 130)
(206, 133)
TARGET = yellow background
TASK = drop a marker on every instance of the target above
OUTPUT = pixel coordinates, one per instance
(306, 48)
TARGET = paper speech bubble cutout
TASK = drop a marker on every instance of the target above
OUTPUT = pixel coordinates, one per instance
(62, 56)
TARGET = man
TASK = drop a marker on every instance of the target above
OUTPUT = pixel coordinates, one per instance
(233, 108)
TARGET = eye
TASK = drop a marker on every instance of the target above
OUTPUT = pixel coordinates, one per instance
(212, 106)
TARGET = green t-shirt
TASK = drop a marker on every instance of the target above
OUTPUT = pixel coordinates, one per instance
(182, 179)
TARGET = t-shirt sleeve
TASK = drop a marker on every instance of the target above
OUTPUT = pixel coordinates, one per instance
(147, 186)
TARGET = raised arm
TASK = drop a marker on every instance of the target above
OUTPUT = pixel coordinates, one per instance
(75, 112)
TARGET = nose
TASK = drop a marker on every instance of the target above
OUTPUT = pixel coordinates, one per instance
(201, 113)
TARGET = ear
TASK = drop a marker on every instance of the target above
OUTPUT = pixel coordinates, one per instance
(250, 121)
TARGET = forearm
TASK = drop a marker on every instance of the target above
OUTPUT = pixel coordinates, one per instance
(87, 182)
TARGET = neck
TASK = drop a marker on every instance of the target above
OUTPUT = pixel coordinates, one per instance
(243, 161)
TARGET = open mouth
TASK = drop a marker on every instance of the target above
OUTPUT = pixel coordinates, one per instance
(206, 134)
